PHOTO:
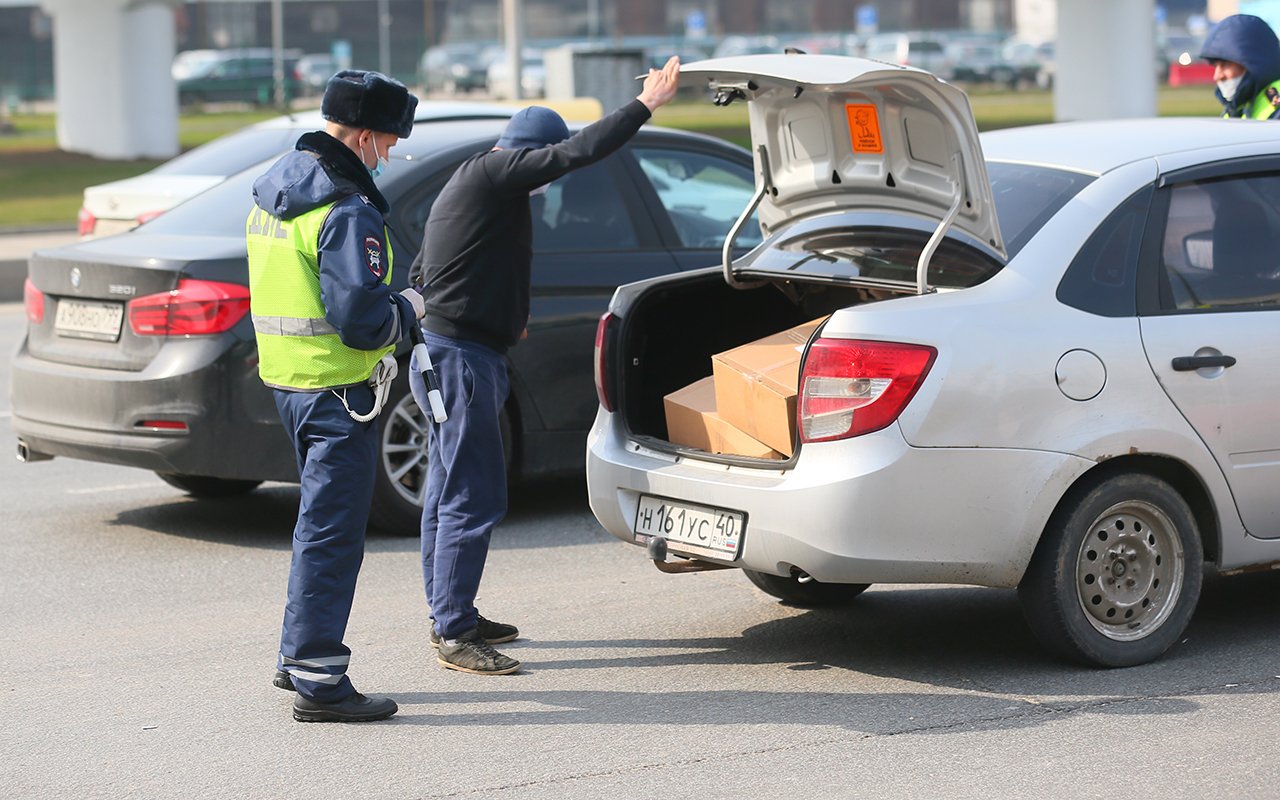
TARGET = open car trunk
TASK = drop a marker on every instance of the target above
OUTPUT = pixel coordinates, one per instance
(672, 330)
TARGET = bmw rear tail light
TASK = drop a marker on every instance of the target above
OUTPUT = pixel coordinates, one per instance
(147, 216)
(85, 222)
(195, 308)
(33, 299)
(850, 387)
(604, 332)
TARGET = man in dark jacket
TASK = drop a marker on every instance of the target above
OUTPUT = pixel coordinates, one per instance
(475, 270)
(1245, 56)
(326, 322)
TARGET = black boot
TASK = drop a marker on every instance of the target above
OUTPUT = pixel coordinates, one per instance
(283, 680)
(353, 708)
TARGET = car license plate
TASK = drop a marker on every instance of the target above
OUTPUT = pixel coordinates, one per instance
(701, 530)
(89, 320)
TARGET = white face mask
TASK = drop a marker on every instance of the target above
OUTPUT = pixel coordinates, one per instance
(540, 190)
(1228, 87)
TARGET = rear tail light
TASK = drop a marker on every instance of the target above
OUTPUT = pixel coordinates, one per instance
(850, 387)
(33, 299)
(148, 216)
(85, 222)
(195, 308)
(603, 333)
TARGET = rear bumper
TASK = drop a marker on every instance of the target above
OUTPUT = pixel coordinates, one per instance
(867, 510)
(209, 384)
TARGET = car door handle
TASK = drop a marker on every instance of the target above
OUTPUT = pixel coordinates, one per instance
(1190, 363)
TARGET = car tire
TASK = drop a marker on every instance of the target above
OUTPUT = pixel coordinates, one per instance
(205, 487)
(399, 480)
(790, 590)
(1116, 575)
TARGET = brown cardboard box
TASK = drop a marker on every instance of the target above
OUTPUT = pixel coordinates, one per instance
(692, 421)
(756, 385)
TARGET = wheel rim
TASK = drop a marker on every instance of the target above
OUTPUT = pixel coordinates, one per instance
(1129, 571)
(404, 450)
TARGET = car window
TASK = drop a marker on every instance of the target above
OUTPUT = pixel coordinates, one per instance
(229, 154)
(1026, 197)
(703, 195)
(1102, 278)
(582, 211)
(1221, 245)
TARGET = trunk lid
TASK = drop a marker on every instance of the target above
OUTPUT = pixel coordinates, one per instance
(834, 134)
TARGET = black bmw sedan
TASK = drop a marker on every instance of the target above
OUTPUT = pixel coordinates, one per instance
(139, 349)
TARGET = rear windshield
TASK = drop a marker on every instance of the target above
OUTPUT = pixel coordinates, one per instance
(876, 255)
(229, 154)
(220, 211)
(1027, 197)
(885, 249)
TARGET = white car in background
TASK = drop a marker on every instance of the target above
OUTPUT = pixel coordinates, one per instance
(122, 205)
(1048, 360)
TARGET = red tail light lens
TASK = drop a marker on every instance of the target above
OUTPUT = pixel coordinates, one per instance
(195, 308)
(850, 387)
(33, 299)
(148, 216)
(603, 331)
(85, 222)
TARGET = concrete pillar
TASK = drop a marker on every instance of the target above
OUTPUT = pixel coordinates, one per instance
(115, 96)
(1105, 60)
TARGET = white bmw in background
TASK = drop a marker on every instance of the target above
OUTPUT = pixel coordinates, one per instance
(1049, 360)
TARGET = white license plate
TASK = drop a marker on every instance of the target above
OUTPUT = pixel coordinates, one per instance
(89, 320)
(700, 530)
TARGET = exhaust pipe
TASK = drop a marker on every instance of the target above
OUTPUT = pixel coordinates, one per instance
(658, 552)
(27, 456)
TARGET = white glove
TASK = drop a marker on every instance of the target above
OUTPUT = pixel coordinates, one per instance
(415, 300)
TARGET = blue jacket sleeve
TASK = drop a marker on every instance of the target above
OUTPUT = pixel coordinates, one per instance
(353, 262)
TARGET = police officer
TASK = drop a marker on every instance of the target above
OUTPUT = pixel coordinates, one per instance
(1245, 56)
(475, 263)
(326, 322)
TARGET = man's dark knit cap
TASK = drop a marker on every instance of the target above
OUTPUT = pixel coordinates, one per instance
(534, 127)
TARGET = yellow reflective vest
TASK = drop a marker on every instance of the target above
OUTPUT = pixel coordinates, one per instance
(297, 347)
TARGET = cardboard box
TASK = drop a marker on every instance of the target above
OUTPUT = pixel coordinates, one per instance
(756, 385)
(692, 421)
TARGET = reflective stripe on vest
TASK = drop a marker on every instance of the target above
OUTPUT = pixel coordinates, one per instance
(297, 347)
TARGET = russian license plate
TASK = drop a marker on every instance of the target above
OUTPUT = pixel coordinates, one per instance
(700, 530)
(83, 320)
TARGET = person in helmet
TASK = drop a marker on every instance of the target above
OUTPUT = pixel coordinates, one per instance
(1245, 55)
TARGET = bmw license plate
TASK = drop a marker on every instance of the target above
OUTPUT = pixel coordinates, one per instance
(700, 530)
(83, 320)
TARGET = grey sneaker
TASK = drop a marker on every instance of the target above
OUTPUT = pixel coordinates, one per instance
(493, 632)
(473, 654)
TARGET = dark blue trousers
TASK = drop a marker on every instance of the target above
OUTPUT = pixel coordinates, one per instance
(337, 457)
(466, 476)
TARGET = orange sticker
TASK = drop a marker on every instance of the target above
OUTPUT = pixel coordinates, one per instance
(864, 127)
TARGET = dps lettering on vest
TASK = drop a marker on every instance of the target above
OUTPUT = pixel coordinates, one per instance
(297, 347)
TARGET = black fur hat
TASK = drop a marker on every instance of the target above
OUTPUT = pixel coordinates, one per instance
(369, 100)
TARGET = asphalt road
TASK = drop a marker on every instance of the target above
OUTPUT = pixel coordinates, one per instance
(140, 628)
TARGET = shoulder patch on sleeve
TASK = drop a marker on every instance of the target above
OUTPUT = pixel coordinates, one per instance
(1274, 96)
(373, 255)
